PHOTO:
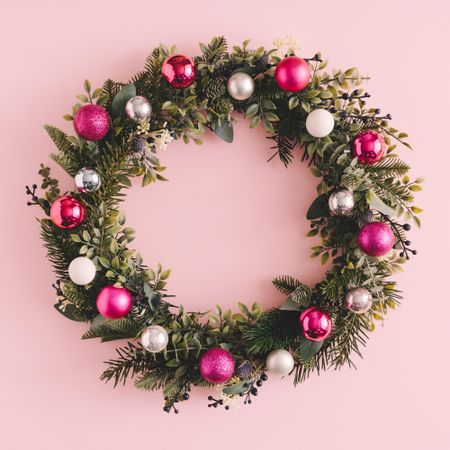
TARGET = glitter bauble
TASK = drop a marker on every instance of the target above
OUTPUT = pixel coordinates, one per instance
(91, 122)
(292, 74)
(358, 300)
(67, 212)
(216, 365)
(376, 239)
(87, 180)
(179, 71)
(138, 108)
(114, 302)
(316, 324)
(240, 86)
(341, 203)
(154, 339)
(368, 147)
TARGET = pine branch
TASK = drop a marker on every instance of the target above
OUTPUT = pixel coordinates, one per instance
(131, 361)
(286, 284)
(60, 248)
(112, 330)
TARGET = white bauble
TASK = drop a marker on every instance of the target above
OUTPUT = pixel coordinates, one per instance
(138, 108)
(240, 86)
(154, 339)
(280, 362)
(81, 270)
(358, 300)
(341, 203)
(319, 123)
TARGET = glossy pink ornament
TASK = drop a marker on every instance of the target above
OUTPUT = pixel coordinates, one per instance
(179, 71)
(292, 74)
(67, 212)
(369, 147)
(91, 122)
(114, 302)
(216, 365)
(376, 239)
(316, 324)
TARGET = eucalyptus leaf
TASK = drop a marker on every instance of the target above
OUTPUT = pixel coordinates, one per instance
(318, 208)
(224, 130)
(121, 98)
(308, 348)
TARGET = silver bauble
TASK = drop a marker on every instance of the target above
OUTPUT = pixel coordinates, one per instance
(154, 339)
(280, 362)
(341, 203)
(240, 86)
(358, 300)
(138, 108)
(87, 180)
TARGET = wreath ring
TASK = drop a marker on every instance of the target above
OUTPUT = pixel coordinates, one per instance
(363, 194)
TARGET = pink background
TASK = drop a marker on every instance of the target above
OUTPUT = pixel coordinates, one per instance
(227, 223)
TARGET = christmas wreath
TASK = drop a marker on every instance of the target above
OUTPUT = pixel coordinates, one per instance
(361, 214)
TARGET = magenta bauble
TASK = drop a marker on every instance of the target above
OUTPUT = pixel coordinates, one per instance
(179, 71)
(292, 74)
(368, 147)
(376, 239)
(316, 324)
(114, 302)
(216, 365)
(67, 212)
(91, 122)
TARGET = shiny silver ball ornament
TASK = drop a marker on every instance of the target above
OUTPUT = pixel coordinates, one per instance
(154, 339)
(358, 300)
(341, 203)
(280, 362)
(87, 180)
(240, 86)
(138, 108)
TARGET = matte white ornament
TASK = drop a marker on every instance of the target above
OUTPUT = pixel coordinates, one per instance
(138, 108)
(319, 123)
(154, 339)
(280, 362)
(240, 86)
(82, 270)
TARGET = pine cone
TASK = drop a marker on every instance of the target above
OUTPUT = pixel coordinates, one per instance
(222, 106)
(215, 88)
(367, 216)
(244, 370)
(139, 144)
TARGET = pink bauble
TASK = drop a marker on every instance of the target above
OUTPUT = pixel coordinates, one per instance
(179, 71)
(114, 302)
(91, 122)
(216, 365)
(292, 74)
(368, 147)
(376, 239)
(67, 212)
(316, 324)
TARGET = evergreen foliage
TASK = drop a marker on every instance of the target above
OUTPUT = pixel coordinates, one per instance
(130, 150)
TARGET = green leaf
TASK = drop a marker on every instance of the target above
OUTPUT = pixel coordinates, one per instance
(237, 388)
(318, 208)
(120, 100)
(224, 130)
(308, 348)
(293, 102)
(290, 305)
(251, 110)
